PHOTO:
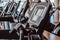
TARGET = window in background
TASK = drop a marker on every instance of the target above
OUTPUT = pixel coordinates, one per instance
(52, 36)
(43, 0)
(52, 17)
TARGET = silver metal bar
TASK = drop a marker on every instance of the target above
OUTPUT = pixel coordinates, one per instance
(20, 35)
(11, 26)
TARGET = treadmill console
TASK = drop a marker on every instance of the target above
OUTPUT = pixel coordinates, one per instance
(38, 13)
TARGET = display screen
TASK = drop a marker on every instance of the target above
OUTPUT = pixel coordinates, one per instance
(37, 15)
